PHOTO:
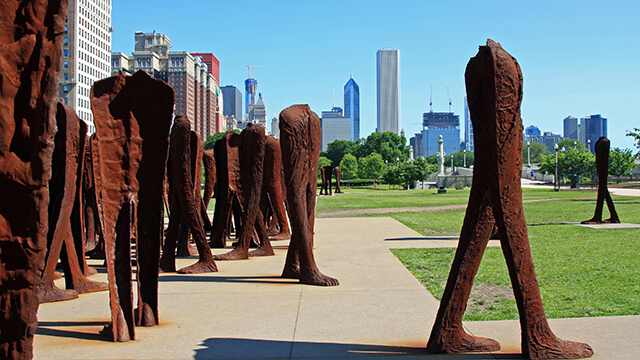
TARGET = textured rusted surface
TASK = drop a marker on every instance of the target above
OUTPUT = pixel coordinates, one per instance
(338, 174)
(31, 41)
(93, 244)
(327, 173)
(132, 117)
(66, 163)
(275, 189)
(183, 203)
(209, 164)
(494, 92)
(228, 189)
(300, 137)
(252, 158)
(602, 167)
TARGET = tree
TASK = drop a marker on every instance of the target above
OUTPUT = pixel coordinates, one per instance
(370, 167)
(323, 161)
(419, 170)
(458, 158)
(536, 149)
(211, 140)
(636, 135)
(570, 161)
(621, 162)
(571, 144)
(349, 167)
(394, 176)
(338, 149)
(388, 144)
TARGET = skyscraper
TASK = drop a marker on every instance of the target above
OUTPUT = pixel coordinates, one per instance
(570, 127)
(250, 90)
(592, 127)
(468, 128)
(388, 90)
(352, 107)
(335, 126)
(435, 124)
(86, 54)
(232, 100)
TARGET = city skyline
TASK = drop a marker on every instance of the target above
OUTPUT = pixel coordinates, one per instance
(578, 70)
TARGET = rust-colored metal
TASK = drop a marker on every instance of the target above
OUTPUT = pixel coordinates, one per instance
(338, 174)
(252, 160)
(183, 202)
(31, 41)
(132, 117)
(494, 92)
(300, 137)
(94, 244)
(327, 173)
(275, 188)
(209, 164)
(602, 167)
(64, 194)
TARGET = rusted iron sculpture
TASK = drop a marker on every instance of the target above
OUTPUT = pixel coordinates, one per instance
(94, 244)
(338, 174)
(326, 172)
(494, 92)
(209, 164)
(252, 159)
(132, 117)
(602, 167)
(275, 189)
(64, 193)
(228, 189)
(300, 137)
(31, 42)
(183, 203)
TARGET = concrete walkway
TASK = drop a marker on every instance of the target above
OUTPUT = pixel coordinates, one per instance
(247, 311)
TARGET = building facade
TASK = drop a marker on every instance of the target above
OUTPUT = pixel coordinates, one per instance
(250, 91)
(388, 90)
(86, 54)
(435, 124)
(591, 128)
(352, 107)
(258, 113)
(197, 93)
(232, 101)
(468, 128)
(570, 127)
(335, 126)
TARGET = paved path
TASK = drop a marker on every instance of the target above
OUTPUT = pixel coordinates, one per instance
(247, 311)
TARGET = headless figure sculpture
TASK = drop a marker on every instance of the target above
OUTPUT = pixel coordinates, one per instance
(275, 189)
(338, 174)
(183, 204)
(494, 90)
(326, 172)
(252, 159)
(300, 137)
(602, 166)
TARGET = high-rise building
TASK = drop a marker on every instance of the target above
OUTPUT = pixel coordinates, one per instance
(468, 128)
(532, 130)
(250, 90)
(86, 54)
(435, 124)
(232, 99)
(275, 126)
(335, 126)
(213, 64)
(592, 127)
(570, 127)
(388, 90)
(417, 144)
(258, 113)
(197, 92)
(352, 107)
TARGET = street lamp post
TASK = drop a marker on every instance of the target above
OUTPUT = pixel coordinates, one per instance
(386, 162)
(556, 186)
(451, 164)
(529, 153)
(397, 162)
(589, 145)
(464, 153)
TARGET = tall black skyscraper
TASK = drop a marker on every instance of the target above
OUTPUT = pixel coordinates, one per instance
(593, 127)
(232, 101)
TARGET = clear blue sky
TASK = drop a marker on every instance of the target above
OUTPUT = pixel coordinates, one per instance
(577, 57)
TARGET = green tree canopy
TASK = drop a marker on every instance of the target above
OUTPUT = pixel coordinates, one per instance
(211, 140)
(371, 167)
(458, 158)
(338, 149)
(536, 149)
(635, 133)
(621, 162)
(322, 162)
(570, 161)
(388, 144)
(571, 144)
(349, 167)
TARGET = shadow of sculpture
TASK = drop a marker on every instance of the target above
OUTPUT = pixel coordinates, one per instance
(494, 92)
(31, 57)
(602, 167)
(300, 137)
(132, 116)
(184, 203)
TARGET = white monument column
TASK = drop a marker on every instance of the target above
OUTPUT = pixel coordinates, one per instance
(440, 156)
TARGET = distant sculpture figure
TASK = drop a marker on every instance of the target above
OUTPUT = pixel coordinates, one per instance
(184, 204)
(132, 116)
(494, 92)
(67, 160)
(602, 167)
(275, 188)
(209, 164)
(338, 174)
(300, 142)
(252, 159)
(31, 42)
(326, 172)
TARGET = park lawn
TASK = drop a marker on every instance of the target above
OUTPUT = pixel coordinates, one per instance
(581, 272)
(382, 197)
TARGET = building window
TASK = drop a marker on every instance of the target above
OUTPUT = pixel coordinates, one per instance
(66, 76)
(65, 52)
(65, 88)
(65, 41)
(66, 64)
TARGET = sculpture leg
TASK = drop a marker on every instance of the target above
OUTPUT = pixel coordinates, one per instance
(168, 259)
(265, 248)
(613, 219)
(448, 335)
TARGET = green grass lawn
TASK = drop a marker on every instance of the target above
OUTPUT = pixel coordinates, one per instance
(582, 272)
